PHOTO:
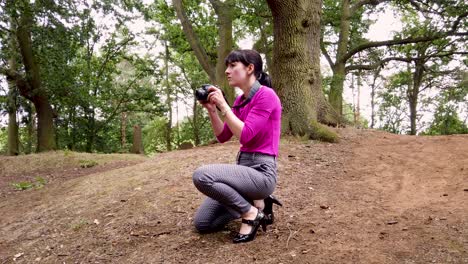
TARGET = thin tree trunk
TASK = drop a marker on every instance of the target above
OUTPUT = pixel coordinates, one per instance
(373, 88)
(196, 125)
(413, 94)
(91, 130)
(30, 128)
(13, 135)
(168, 100)
(194, 41)
(177, 120)
(339, 69)
(225, 12)
(296, 66)
(263, 46)
(123, 131)
(358, 103)
(72, 129)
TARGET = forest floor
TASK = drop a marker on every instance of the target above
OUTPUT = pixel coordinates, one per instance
(372, 198)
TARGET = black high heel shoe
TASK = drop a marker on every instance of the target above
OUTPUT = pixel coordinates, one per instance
(268, 210)
(241, 238)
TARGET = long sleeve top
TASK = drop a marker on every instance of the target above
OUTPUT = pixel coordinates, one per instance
(262, 123)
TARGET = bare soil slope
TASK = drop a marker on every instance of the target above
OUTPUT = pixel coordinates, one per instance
(372, 198)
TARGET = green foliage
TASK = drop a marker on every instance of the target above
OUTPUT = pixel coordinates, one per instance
(77, 225)
(88, 163)
(21, 186)
(322, 133)
(154, 139)
(446, 119)
(3, 140)
(24, 185)
(446, 122)
(393, 106)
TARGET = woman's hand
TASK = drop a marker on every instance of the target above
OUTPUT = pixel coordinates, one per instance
(209, 106)
(216, 98)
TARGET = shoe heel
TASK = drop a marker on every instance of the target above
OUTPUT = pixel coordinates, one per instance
(264, 224)
(276, 201)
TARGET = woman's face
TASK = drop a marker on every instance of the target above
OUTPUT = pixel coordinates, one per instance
(237, 73)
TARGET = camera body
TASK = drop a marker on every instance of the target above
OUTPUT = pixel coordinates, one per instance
(202, 93)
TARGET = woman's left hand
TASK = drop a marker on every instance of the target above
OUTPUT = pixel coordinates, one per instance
(216, 97)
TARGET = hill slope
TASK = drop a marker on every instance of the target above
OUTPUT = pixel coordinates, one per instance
(373, 198)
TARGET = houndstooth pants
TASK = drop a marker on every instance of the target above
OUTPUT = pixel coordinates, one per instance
(231, 188)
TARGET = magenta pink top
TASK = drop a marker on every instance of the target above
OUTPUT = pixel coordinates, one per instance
(262, 123)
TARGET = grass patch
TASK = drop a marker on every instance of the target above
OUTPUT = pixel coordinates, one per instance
(78, 224)
(88, 163)
(25, 185)
(53, 160)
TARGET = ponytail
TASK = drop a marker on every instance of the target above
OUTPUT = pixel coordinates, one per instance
(264, 79)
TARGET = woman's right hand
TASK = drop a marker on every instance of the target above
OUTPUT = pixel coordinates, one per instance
(211, 107)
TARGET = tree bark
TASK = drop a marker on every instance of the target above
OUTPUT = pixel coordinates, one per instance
(30, 127)
(137, 147)
(224, 11)
(296, 66)
(168, 100)
(13, 136)
(196, 125)
(413, 94)
(194, 41)
(373, 89)
(339, 67)
(123, 131)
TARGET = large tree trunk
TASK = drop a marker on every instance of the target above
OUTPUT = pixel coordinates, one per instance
(45, 125)
(296, 66)
(31, 88)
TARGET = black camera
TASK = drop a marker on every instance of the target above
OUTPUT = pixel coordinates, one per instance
(202, 93)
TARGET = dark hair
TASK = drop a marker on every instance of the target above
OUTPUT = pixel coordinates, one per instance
(247, 57)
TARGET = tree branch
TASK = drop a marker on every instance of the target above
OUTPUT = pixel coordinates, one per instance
(325, 53)
(362, 3)
(23, 86)
(377, 64)
(194, 41)
(393, 42)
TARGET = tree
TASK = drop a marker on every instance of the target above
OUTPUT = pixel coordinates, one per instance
(450, 13)
(296, 67)
(225, 12)
(29, 84)
(429, 61)
(393, 104)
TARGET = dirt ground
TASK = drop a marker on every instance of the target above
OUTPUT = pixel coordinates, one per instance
(372, 198)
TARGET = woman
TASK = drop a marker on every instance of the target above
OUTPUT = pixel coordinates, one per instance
(245, 189)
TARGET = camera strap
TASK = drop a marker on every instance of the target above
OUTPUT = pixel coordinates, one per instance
(255, 87)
